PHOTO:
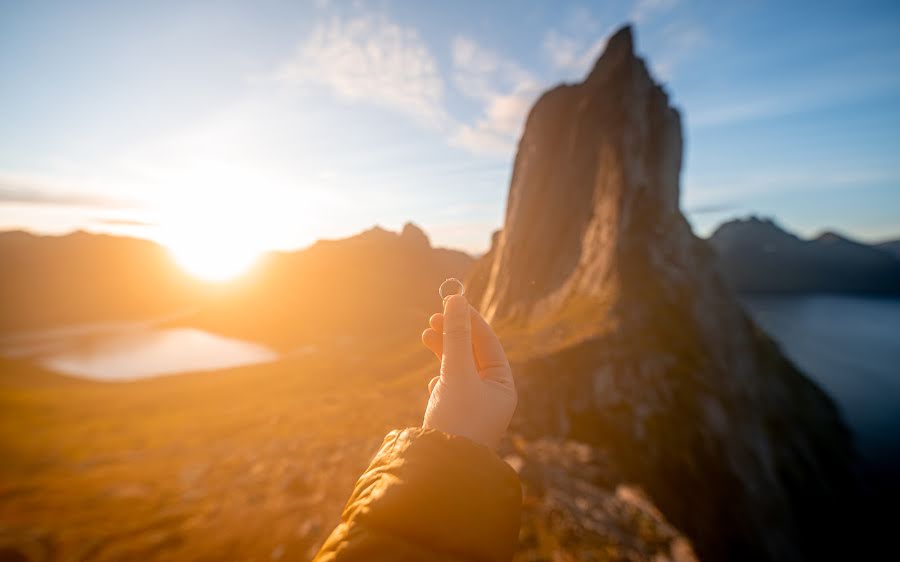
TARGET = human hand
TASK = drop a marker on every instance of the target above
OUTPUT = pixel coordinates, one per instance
(475, 395)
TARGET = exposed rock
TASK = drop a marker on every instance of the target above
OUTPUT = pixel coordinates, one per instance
(651, 358)
(572, 511)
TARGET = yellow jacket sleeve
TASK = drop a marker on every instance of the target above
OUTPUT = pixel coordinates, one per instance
(429, 496)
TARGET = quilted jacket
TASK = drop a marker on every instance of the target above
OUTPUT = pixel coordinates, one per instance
(429, 496)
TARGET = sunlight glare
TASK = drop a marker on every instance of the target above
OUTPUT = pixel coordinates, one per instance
(217, 247)
(211, 261)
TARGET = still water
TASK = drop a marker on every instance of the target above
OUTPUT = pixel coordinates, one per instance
(132, 351)
(851, 347)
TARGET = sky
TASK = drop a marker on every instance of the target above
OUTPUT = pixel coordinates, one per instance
(268, 125)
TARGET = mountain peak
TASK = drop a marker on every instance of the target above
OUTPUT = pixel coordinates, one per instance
(832, 237)
(619, 50)
(415, 235)
(621, 41)
(605, 151)
(614, 303)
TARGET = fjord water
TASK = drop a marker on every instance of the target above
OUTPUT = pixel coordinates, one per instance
(851, 347)
(132, 351)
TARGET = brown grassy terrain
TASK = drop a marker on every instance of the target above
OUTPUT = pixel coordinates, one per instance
(255, 463)
(249, 463)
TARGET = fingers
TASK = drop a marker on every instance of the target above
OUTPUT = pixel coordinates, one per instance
(432, 383)
(437, 322)
(489, 354)
(433, 340)
(433, 337)
(457, 361)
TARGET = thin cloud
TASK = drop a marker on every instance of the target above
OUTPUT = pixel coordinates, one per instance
(505, 89)
(644, 10)
(571, 54)
(805, 95)
(122, 222)
(712, 208)
(574, 48)
(370, 59)
(21, 189)
(792, 181)
(679, 40)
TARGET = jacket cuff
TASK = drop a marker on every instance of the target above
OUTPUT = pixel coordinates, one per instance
(443, 491)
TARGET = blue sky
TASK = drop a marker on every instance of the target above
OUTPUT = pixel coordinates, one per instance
(272, 124)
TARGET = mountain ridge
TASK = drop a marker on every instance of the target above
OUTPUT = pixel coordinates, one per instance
(759, 256)
(334, 281)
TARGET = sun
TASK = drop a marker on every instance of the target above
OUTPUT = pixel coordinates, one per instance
(215, 228)
(215, 248)
(213, 262)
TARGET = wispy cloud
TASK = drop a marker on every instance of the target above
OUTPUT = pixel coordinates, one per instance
(122, 222)
(575, 46)
(769, 181)
(712, 208)
(570, 53)
(678, 40)
(807, 93)
(505, 90)
(373, 60)
(370, 59)
(740, 111)
(38, 190)
(646, 9)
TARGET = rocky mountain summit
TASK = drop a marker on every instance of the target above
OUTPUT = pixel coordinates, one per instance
(626, 339)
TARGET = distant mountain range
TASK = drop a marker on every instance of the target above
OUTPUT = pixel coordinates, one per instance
(55, 281)
(366, 289)
(372, 289)
(892, 246)
(756, 255)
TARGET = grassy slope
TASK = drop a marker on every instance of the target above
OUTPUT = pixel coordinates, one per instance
(246, 463)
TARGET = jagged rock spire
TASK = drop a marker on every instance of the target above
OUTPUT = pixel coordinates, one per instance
(631, 341)
(596, 159)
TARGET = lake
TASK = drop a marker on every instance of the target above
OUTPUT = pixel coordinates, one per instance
(127, 351)
(851, 347)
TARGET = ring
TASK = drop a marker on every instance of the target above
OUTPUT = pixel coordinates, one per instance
(450, 287)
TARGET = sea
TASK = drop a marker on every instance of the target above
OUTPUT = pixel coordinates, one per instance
(850, 346)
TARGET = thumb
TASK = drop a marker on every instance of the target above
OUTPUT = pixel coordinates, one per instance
(458, 359)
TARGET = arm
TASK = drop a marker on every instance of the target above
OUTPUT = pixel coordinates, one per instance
(440, 492)
(429, 496)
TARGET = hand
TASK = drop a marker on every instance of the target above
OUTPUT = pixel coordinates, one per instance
(475, 395)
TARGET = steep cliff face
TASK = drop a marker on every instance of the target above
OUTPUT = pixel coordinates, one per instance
(652, 358)
(596, 177)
